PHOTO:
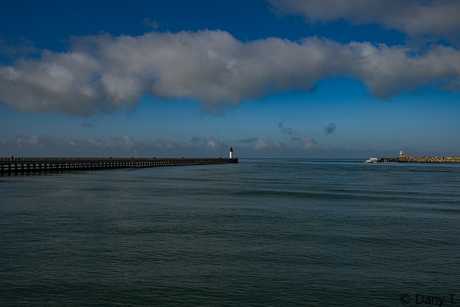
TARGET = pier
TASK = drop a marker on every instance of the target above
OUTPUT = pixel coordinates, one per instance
(14, 165)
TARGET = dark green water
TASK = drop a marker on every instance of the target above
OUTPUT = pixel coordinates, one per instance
(258, 233)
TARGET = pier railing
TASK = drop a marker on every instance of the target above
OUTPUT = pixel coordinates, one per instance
(8, 165)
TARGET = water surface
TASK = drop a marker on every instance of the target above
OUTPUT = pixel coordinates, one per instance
(266, 232)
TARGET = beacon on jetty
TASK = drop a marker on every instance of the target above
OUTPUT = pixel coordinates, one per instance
(231, 153)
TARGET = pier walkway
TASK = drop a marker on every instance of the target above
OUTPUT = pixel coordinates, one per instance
(11, 165)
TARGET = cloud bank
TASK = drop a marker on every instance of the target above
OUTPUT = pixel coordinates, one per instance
(104, 73)
(126, 145)
(31, 145)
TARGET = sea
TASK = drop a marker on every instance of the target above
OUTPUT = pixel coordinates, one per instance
(262, 232)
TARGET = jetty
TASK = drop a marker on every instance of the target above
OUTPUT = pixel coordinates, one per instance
(15, 165)
(427, 159)
(424, 159)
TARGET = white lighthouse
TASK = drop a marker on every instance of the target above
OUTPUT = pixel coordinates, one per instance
(231, 153)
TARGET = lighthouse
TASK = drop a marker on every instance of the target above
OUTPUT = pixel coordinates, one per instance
(231, 153)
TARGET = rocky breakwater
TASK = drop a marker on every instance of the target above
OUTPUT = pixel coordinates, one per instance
(427, 159)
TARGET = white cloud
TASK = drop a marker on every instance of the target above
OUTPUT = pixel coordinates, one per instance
(208, 142)
(414, 17)
(211, 143)
(104, 73)
(302, 143)
(308, 143)
(259, 144)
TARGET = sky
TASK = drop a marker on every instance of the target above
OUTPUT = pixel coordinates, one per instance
(270, 78)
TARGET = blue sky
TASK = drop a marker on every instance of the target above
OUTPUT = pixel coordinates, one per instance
(331, 78)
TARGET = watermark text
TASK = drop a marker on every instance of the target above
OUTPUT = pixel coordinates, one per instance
(423, 299)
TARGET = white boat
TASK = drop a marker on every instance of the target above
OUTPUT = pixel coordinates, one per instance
(372, 160)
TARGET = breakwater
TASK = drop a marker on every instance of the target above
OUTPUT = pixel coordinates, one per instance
(415, 159)
(10, 165)
(427, 159)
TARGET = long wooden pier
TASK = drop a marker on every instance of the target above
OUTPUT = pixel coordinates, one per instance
(14, 165)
